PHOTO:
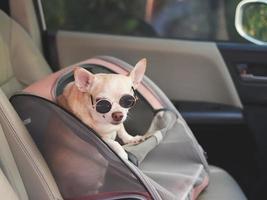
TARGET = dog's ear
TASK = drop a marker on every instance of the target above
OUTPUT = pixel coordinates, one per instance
(83, 79)
(138, 72)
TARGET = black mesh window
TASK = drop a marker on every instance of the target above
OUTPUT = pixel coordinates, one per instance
(82, 165)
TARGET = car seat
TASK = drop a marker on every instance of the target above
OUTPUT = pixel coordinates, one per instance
(20, 65)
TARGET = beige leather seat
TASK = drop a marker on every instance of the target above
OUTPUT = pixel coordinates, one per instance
(20, 61)
(24, 173)
(20, 65)
(10, 176)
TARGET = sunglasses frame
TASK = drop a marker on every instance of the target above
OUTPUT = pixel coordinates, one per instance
(94, 104)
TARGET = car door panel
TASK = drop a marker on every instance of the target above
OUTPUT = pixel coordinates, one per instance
(253, 93)
(252, 87)
(184, 70)
(209, 113)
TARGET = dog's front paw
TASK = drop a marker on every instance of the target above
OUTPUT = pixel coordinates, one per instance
(136, 139)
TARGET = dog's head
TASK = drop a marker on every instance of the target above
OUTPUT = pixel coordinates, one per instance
(110, 95)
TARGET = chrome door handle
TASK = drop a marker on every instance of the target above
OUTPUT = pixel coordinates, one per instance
(246, 73)
(253, 78)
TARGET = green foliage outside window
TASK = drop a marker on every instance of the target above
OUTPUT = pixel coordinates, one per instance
(255, 20)
(106, 16)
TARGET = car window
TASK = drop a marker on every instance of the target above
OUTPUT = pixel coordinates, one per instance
(185, 19)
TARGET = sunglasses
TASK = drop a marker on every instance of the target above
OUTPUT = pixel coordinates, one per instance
(104, 105)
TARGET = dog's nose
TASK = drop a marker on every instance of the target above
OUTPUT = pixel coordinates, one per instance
(117, 116)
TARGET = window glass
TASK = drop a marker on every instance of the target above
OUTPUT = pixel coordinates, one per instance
(187, 19)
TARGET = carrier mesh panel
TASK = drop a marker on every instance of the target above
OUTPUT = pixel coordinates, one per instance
(80, 162)
(169, 158)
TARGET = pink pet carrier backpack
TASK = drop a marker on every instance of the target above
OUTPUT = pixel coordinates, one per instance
(169, 165)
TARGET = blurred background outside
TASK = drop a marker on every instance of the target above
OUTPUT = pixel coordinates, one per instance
(208, 20)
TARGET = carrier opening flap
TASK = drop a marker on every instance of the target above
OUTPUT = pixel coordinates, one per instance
(50, 86)
(161, 124)
(169, 157)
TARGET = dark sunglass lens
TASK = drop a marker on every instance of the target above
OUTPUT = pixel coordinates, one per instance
(103, 106)
(127, 101)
